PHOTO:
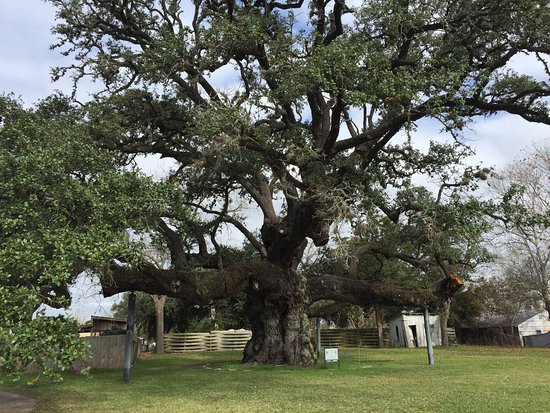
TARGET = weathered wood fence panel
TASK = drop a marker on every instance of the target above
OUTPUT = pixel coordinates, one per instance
(361, 337)
(107, 352)
(213, 341)
(236, 340)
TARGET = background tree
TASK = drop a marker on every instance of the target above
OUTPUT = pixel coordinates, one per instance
(312, 119)
(178, 314)
(499, 296)
(182, 316)
(441, 231)
(467, 306)
(524, 187)
(503, 296)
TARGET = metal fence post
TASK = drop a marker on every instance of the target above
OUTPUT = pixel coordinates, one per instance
(429, 344)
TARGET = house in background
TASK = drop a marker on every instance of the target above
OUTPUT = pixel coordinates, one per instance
(408, 330)
(501, 331)
(538, 340)
(99, 324)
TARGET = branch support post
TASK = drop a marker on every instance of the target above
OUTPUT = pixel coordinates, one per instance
(429, 344)
(128, 345)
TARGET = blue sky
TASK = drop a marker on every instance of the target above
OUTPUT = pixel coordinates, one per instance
(26, 60)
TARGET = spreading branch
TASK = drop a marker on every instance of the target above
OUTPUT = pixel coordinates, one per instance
(201, 287)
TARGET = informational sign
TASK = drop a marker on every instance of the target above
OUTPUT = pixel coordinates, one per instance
(331, 354)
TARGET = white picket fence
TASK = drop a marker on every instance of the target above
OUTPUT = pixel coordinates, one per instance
(213, 341)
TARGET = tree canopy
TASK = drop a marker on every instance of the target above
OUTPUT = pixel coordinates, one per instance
(317, 115)
(306, 110)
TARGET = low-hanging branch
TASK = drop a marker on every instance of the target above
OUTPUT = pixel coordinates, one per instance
(201, 287)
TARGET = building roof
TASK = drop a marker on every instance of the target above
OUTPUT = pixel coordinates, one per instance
(103, 318)
(411, 314)
(96, 319)
(501, 321)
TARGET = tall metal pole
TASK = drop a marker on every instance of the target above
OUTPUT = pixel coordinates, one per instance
(128, 345)
(429, 344)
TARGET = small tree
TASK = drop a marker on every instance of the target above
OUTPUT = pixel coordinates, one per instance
(524, 187)
(65, 207)
(504, 296)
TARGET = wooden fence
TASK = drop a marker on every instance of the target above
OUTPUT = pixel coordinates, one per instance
(361, 337)
(107, 352)
(213, 341)
(488, 336)
(236, 340)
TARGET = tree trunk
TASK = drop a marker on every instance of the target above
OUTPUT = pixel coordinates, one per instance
(158, 302)
(280, 325)
(547, 304)
(379, 314)
(443, 320)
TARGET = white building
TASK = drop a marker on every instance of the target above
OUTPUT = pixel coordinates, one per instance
(537, 324)
(408, 330)
(498, 330)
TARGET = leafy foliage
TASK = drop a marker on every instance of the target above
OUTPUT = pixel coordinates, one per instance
(66, 206)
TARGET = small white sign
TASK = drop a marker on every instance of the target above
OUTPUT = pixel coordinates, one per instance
(331, 354)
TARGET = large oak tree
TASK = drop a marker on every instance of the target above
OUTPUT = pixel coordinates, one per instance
(299, 108)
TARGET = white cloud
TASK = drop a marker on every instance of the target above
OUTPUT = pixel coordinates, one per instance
(529, 65)
(25, 56)
(498, 140)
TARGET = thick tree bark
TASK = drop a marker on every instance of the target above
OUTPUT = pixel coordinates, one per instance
(360, 292)
(443, 320)
(158, 302)
(280, 325)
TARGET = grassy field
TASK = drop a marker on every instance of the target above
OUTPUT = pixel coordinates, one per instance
(464, 379)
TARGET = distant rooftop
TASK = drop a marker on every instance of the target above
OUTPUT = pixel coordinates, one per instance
(501, 321)
(103, 318)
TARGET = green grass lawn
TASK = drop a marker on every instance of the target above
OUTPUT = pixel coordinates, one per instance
(464, 379)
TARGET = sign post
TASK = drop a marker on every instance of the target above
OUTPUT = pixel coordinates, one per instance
(331, 356)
